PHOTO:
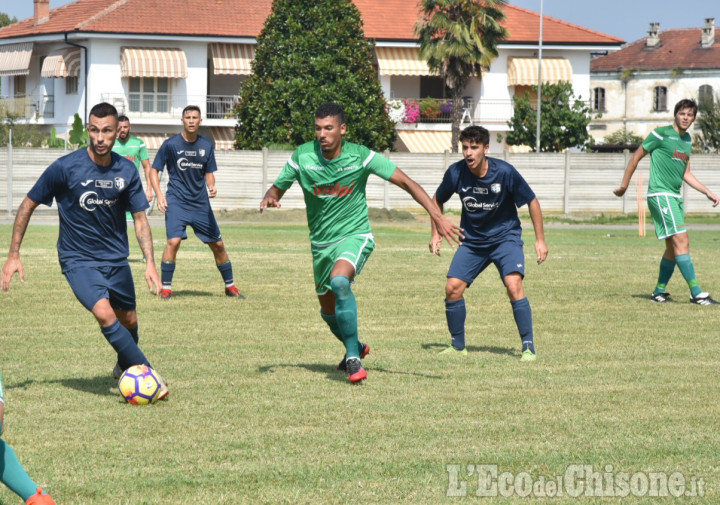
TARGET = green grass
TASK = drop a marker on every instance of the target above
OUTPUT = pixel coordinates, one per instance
(259, 415)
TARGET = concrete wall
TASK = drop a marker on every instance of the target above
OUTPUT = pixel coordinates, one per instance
(571, 183)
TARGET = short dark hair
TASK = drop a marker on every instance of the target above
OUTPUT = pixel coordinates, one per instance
(686, 103)
(476, 134)
(191, 108)
(122, 118)
(104, 109)
(330, 109)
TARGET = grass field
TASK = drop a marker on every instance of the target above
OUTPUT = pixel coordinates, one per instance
(259, 415)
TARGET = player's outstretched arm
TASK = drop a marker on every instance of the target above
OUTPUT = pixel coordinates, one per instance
(630, 170)
(435, 238)
(13, 263)
(537, 220)
(694, 183)
(272, 198)
(444, 227)
(155, 183)
(210, 183)
(144, 238)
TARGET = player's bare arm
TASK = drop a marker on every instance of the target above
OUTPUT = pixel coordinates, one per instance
(272, 198)
(630, 170)
(148, 189)
(144, 238)
(445, 228)
(694, 183)
(210, 183)
(155, 182)
(13, 263)
(537, 220)
(435, 238)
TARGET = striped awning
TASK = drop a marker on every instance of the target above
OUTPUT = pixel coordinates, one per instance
(152, 140)
(15, 58)
(524, 71)
(63, 63)
(232, 59)
(153, 62)
(224, 138)
(401, 61)
(426, 141)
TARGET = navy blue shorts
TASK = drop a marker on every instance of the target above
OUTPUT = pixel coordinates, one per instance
(92, 284)
(202, 220)
(469, 261)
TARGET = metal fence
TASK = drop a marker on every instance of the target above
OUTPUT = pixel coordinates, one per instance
(570, 183)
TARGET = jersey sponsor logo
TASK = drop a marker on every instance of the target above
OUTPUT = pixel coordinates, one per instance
(183, 164)
(679, 155)
(472, 205)
(130, 157)
(480, 191)
(345, 169)
(313, 167)
(104, 184)
(495, 188)
(83, 184)
(90, 201)
(119, 183)
(191, 153)
(333, 191)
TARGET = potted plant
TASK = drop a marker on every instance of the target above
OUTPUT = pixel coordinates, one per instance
(412, 111)
(429, 108)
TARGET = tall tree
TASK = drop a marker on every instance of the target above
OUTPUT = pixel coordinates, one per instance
(459, 38)
(310, 52)
(6, 20)
(708, 121)
(564, 119)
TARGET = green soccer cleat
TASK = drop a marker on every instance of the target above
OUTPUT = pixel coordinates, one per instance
(452, 351)
(528, 355)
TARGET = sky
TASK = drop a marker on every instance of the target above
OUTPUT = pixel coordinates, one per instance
(626, 19)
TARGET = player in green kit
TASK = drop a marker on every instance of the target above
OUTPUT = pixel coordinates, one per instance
(669, 148)
(12, 473)
(333, 175)
(133, 149)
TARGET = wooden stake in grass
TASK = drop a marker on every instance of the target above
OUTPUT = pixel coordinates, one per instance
(641, 207)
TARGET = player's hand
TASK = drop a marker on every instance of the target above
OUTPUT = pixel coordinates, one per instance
(162, 203)
(619, 191)
(152, 278)
(269, 201)
(12, 265)
(212, 191)
(712, 196)
(149, 195)
(449, 230)
(542, 250)
(435, 243)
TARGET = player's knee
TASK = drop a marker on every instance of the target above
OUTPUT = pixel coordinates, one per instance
(454, 290)
(340, 286)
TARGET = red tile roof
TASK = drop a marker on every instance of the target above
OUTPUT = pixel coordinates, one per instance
(384, 20)
(677, 49)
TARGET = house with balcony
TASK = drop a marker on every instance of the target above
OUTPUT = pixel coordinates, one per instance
(638, 86)
(151, 58)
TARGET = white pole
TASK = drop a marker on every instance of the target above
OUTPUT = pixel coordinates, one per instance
(539, 97)
(10, 171)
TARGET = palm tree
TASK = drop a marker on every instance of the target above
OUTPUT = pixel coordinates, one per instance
(458, 38)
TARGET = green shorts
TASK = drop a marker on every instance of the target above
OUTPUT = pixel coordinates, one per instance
(355, 249)
(668, 214)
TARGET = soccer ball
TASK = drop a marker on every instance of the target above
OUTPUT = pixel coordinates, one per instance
(139, 385)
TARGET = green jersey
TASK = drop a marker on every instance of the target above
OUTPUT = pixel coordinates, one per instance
(669, 156)
(133, 149)
(334, 190)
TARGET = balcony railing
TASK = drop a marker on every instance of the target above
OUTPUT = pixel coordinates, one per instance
(166, 105)
(417, 110)
(30, 106)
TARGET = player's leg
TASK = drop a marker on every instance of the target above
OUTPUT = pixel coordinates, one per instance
(206, 228)
(176, 221)
(681, 247)
(667, 268)
(465, 266)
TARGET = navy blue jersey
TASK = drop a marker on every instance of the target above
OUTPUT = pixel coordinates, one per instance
(92, 201)
(187, 164)
(489, 204)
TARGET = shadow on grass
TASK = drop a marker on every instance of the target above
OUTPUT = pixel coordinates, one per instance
(475, 348)
(186, 293)
(332, 373)
(647, 298)
(101, 385)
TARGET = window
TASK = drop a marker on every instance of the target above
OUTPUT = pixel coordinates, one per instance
(434, 87)
(71, 85)
(599, 99)
(19, 85)
(705, 95)
(660, 99)
(149, 94)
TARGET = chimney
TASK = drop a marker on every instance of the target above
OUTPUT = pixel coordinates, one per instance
(653, 38)
(708, 33)
(42, 11)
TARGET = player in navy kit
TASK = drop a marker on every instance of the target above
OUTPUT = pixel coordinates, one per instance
(491, 190)
(93, 187)
(190, 161)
